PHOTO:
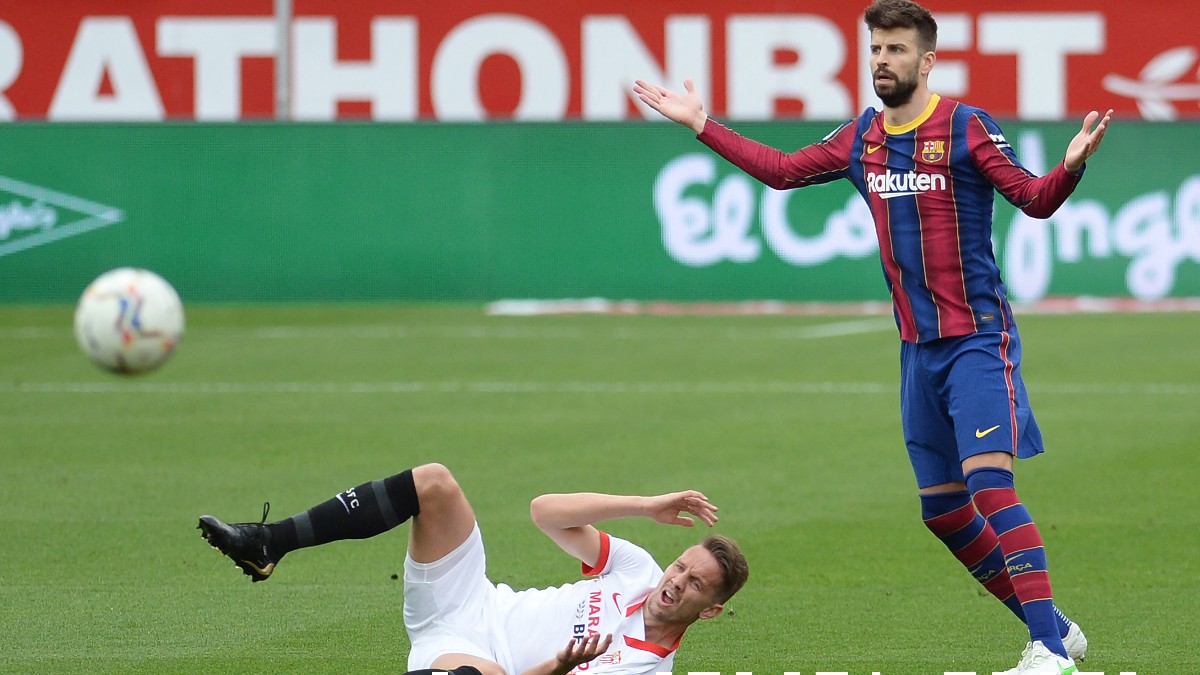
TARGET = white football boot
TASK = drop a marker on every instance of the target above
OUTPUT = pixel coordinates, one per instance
(1037, 660)
(1076, 643)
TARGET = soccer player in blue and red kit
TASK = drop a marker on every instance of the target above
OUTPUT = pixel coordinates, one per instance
(928, 167)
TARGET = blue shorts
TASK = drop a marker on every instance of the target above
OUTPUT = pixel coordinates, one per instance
(963, 396)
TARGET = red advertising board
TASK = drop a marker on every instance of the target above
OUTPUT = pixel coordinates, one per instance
(475, 60)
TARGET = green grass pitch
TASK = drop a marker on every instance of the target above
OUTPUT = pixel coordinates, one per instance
(790, 425)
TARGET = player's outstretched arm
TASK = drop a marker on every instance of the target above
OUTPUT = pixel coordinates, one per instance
(1087, 141)
(568, 518)
(686, 109)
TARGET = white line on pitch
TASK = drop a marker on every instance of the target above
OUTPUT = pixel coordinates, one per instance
(625, 332)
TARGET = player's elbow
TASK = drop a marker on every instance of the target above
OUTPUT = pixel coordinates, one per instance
(1038, 206)
(777, 180)
(540, 511)
(1038, 211)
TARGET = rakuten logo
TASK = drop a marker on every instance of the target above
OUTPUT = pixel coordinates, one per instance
(889, 184)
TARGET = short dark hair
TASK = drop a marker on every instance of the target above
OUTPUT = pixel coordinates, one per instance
(889, 14)
(734, 569)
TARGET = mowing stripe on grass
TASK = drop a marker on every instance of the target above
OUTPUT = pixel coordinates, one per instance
(479, 332)
(513, 387)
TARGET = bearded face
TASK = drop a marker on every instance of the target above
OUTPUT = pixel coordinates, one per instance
(895, 89)
(896, 62)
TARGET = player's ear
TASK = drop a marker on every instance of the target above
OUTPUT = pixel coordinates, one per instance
(927, 60)
(712, 611)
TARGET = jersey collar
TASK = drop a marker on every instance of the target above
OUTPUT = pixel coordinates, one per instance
(905, 128)
(656, 649)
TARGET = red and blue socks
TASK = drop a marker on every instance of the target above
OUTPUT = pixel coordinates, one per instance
(995, 496)
(952, 518)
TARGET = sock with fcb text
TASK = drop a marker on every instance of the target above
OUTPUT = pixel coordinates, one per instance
(358, 513)
(995, 495)
(952, 518)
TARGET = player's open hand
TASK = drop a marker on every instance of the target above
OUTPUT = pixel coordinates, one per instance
(1087, 141)
(668, 509)
(576, 654)
(686, 109)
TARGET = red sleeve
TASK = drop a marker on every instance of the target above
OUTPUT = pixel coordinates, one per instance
(820, 162)
(602, 562)
(1038, 197)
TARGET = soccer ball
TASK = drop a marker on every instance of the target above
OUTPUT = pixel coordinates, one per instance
(129, 321)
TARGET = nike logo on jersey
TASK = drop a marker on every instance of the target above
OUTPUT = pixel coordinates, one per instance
(616, 601)
(985, 432)
(872, 148)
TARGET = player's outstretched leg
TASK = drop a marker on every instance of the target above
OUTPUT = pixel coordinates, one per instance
(358, 513)
(994, 494)
(952, 518)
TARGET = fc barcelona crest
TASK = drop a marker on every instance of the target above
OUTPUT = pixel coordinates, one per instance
(933, 151)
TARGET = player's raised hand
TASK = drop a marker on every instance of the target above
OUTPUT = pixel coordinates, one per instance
(1087, 141)
(668, 509)
(686, 109)
(576, 654)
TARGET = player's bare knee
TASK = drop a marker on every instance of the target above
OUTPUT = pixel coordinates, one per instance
(436, 485)
(957, 486)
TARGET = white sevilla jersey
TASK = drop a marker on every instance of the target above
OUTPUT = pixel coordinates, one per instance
(538, 623)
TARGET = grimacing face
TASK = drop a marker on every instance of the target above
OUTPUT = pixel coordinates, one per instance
(688, 589)
(896, 62)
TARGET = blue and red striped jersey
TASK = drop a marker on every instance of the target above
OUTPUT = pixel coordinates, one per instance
(930, 187)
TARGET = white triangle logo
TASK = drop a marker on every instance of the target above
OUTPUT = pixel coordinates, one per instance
(39, 216)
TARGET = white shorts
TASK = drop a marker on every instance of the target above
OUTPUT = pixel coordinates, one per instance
(449, 605)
